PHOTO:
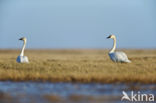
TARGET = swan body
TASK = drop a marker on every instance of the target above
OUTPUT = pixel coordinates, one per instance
(21, 58)
(117, 56)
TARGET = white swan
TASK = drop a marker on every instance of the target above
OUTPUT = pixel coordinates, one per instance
(117, 56)
(21, 58)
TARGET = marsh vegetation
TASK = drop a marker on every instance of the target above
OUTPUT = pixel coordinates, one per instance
(78, 66)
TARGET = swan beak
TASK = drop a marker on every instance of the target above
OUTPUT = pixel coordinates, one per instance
(108, 37)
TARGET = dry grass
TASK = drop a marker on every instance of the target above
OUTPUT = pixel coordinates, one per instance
(78, 66)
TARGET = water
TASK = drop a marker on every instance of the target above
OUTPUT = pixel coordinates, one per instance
(45, 92)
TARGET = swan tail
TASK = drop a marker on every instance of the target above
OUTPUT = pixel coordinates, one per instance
(128, 61)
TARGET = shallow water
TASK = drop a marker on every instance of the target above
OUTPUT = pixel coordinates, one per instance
(44, 92)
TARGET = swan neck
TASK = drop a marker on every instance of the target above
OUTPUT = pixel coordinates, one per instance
(22, 52)
(114, 45)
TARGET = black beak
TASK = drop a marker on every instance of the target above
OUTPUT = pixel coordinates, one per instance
(108, 37)
(21, 39)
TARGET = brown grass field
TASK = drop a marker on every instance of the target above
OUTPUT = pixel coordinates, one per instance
(78, 66)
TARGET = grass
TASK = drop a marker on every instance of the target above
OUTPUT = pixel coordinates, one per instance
(78, 66)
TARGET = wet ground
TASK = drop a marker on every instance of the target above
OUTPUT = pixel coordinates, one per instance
(45, 92)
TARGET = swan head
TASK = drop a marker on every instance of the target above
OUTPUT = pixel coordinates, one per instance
(23, 38)
(111, 36)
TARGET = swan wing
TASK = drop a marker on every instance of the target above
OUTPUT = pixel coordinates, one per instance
(22, 59)
(121, 57)
(25, 59)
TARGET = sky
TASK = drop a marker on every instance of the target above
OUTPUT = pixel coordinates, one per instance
(77, 23)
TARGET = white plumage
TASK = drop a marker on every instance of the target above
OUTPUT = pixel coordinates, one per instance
(21, 58)
(117, 56)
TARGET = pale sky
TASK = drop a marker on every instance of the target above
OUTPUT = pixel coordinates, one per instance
(78, 23)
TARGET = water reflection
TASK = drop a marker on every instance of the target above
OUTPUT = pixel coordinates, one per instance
(43, 92)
